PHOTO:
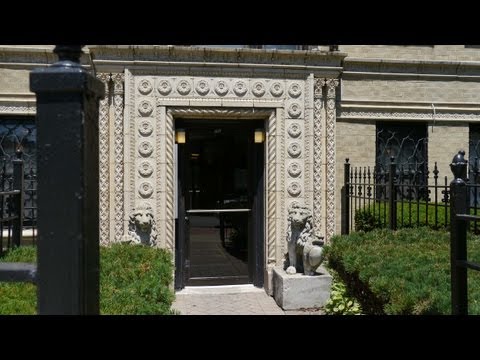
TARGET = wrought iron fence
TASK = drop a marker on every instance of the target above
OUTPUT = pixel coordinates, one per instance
(67, 98)
(461, 217)
(19, 134)
(11, 209)
(372, 198)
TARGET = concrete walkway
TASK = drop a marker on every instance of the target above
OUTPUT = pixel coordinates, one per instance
(230, 300)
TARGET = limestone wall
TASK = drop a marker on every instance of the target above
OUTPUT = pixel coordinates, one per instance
(427, 52)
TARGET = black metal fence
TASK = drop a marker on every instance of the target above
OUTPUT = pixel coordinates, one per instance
(459, 213)
(395, 197)
(68, 234)
(19, 133)
(373, 198)
(11, 208)
(29, 196)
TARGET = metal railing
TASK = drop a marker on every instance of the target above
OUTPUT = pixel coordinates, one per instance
(396, 198)
(68, 235)
(459, 263)
(11, 209)
(18, 140)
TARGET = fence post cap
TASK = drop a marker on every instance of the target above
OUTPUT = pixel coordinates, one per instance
(459, 165)
(68, 55)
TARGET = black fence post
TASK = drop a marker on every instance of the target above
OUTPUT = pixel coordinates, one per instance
(458, 235)
(391, 203)
(345, 200)
(18, 181)
(68, 214)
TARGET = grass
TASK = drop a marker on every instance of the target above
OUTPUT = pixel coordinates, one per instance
(401, 272)
(133, 280)
(19, 298)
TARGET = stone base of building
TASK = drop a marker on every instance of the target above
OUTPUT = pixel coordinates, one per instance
(298, 291)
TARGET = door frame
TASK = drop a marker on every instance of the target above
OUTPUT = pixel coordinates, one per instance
(257, 244)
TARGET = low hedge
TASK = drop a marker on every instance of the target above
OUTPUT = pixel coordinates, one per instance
(369, 218)
(133, 280)
(401, 272)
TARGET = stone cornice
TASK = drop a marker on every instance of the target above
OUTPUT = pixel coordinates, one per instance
(431, 70)
(411, 111)
(230, 55)
(139, 56)
(31, 56)
(378, 104)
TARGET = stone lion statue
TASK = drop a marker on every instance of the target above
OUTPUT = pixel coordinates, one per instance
(141, 227)
(305, 250)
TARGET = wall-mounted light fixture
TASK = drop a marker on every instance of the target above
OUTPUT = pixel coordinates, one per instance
(259, 136)
(180, 136)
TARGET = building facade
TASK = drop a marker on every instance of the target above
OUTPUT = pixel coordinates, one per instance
(177, 137)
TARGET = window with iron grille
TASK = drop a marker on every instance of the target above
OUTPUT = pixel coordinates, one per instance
(407, 143)
(19, 133)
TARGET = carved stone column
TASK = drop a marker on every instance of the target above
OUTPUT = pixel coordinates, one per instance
(271, 190)
(104, 163)
(318, 134)
(330, 142)
(118, 103)
(169, 182)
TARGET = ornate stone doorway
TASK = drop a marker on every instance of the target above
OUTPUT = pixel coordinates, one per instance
(290, 104)
(220, 210)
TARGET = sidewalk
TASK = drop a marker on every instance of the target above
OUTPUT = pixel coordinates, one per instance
(230, 300)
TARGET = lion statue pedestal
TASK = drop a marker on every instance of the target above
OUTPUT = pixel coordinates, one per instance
(299, 291)
(302, 283)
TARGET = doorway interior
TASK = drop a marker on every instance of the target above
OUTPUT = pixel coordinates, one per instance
(220, 204)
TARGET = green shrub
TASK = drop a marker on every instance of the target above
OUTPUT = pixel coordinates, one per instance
(401, 272)
(133, 280)
(340, 302)
(365, 220)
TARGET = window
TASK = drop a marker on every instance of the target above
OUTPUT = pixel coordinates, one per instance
(407, 144)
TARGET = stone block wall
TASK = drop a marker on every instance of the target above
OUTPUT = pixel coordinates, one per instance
(427, 52)
(356, 141)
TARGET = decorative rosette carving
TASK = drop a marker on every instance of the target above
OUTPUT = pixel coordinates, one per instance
(276, 89)
(145, 189)
(145, 128)
(164, 87)
(145, 108)
(294, 149)
(202, 87)
(294, 130)
(295, 90)
(145, 148)
(294, 110)
(258, 89)
(294, 169)
(240, 88)
(145, 168)
(221, 88)
(294, 189)
(184, 87)
(145, 87)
